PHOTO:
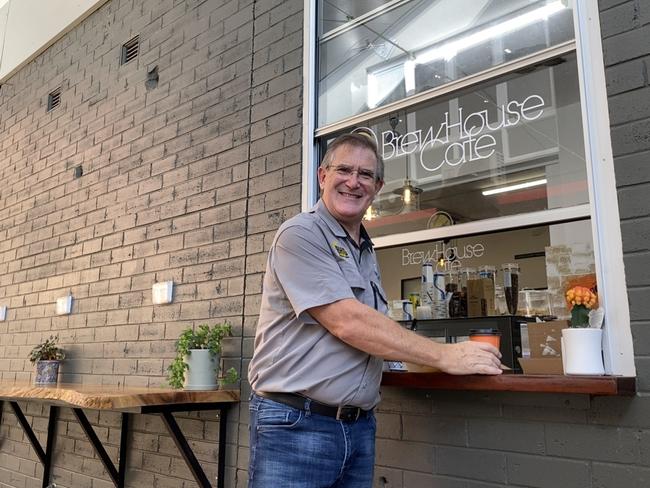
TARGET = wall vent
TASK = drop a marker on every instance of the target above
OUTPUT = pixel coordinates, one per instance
(54, 99)
(130, 49)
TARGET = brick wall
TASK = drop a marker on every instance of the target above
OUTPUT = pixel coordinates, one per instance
(184, 181)
(189, 181)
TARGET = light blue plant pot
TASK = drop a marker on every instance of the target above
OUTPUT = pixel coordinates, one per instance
(202, 368)
(47, 372)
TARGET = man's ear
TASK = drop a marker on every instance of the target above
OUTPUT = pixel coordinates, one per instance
(321, 176)
(379, 184)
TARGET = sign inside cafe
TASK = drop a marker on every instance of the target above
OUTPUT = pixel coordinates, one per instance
(443, 256)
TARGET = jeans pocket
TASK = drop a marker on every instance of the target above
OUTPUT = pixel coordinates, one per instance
(272, 417)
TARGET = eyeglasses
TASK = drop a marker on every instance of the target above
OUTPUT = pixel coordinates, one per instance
(345, 171)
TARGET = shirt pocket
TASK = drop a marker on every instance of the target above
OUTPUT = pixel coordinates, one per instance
(354, 279)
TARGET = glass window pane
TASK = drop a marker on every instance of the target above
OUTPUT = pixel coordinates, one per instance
(550, 260)
(403, 48)
(333, 14)
(510, 146)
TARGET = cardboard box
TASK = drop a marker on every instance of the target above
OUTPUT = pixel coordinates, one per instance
(541, 365)
(480, 298)
(545, 344)
(545, 338)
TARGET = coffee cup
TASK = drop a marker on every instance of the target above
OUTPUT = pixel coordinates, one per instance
(489, 336)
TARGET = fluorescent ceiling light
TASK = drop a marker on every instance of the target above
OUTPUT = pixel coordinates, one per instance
(449, 50)
(383, 81)
(518, 186)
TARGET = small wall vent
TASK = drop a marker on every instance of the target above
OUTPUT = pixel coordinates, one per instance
(54, 99)
(130, 49)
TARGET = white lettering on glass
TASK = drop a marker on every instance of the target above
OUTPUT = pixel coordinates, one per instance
(443, 256)
(465, 137)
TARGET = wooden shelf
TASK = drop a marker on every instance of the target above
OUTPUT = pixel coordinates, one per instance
(589, 385)
(106, 397)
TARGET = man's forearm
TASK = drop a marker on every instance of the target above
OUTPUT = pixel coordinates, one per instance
(366, 329)
(370, 331)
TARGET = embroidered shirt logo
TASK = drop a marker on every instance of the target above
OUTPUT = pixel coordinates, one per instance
(341, 251)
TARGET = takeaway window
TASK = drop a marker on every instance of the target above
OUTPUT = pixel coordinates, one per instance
(479, 110)
(460, 167)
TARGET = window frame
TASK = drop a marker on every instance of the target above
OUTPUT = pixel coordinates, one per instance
(603, 211)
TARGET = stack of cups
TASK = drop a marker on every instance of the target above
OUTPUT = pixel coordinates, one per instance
(433, 292)
(426, 285)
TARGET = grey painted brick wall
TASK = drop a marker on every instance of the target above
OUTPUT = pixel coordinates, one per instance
(183, 182)
(189, 181)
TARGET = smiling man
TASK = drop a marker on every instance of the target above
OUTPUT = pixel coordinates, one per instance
(323, 334)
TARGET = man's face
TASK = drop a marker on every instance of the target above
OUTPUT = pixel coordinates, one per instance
(347, 193)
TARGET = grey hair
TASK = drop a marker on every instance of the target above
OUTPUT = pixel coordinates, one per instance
(360, 139)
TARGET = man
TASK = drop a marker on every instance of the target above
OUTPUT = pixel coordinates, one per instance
(323, 333)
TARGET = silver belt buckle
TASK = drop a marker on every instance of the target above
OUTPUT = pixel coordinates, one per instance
(339, 412)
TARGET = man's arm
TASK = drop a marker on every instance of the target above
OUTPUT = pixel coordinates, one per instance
(366, 329)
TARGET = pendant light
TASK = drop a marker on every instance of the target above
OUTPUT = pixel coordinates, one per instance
(409, 193)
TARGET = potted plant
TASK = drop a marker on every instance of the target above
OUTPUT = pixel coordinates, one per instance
(196, 365)
(581, 343)
(47, 356)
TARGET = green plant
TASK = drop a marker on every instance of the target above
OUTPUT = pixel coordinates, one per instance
(229, 378)
(204, 337)
(47, 351)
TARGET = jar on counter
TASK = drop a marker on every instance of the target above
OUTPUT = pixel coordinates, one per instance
(510, 273)
(465, 275)
(487, 271)
(453, 288)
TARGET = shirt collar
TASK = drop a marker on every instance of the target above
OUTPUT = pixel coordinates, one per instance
(337, 229)
(365, 239)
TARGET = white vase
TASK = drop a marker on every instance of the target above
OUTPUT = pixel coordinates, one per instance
(582, 351)
(201, 373)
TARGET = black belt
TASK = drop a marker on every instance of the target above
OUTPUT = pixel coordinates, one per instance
(344, 412)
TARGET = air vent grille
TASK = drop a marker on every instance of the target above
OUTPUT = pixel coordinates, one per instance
(54, 99)
(130, 49)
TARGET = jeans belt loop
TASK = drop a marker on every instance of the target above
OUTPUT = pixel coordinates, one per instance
(307, 406)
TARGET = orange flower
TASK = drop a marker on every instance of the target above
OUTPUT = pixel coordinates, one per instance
(580, 295)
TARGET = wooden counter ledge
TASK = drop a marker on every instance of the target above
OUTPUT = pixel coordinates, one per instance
(106, 397)
(127, 401)
(590, 385)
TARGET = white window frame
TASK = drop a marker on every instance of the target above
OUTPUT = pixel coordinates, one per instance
(603, 210)
(606, 223)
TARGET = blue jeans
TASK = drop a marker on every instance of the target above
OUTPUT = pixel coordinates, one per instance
(291, 448)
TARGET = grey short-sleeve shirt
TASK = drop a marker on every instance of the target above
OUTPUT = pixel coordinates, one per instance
(313, 262)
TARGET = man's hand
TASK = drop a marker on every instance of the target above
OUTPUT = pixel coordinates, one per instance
(470, 358)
